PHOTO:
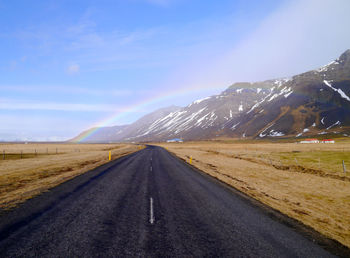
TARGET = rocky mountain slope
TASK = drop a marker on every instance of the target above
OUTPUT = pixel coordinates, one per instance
(123, 132)
(315, 102)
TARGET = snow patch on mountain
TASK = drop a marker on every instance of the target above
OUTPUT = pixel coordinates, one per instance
(259, 103)
(261, 135)
(342, 94)
(274, 133)
(335, 124)
(326, 67)
(279, 83)
(273, 97)
(234, 126)
(199, 101)
(287, 95)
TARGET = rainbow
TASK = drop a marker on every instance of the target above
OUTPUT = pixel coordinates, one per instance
(135, 107)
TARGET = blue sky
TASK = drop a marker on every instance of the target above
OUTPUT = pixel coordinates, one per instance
(68, 65)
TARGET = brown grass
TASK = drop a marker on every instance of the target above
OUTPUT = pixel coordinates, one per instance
(21, 179)
(305, 182)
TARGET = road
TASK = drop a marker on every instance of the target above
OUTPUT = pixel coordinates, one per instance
(147, 204)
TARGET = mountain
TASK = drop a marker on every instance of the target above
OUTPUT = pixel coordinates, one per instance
(204, 118)
(123, 132)
(101, 134)
(315, 102)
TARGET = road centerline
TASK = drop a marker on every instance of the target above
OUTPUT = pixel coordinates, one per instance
(152, 219)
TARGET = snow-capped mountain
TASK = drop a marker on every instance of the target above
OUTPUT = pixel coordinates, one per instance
(205, 118)
(315, 102)
(124, 132)
(103, 134)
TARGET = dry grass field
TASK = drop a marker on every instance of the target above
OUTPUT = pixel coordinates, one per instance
(27, 170)
(303, 181)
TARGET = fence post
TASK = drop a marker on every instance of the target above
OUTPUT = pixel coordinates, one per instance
(344, 168)
(47, 150)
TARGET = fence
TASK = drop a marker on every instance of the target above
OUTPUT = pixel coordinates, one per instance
(24, 154)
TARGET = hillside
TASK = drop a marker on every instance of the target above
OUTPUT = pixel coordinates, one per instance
(313, 103)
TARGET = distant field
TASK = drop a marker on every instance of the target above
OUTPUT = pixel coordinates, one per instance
(27, 170)
(304, 181)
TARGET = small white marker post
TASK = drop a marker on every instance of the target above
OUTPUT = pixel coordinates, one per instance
(151, 215)
(344, 167)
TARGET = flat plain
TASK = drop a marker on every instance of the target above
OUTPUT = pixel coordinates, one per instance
(150, 204)
(27, 170)
(304, 181)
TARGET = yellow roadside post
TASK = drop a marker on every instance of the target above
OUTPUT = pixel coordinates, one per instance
(110, 155)
(191, 160)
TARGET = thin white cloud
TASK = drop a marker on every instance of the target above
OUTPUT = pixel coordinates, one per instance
(90, 47)
(160, 2)
(73, 69)
(83, 26)
(13, 104)
(298, 36)
(116, 91)
(40, 127)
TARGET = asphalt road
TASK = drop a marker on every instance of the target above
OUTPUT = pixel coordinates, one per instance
(148, 204)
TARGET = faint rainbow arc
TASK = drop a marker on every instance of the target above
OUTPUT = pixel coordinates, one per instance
(108, 121)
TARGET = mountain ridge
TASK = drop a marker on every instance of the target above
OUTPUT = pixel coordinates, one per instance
(312, 103)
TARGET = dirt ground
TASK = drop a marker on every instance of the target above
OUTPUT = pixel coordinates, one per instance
(27, 170)
(303, 181)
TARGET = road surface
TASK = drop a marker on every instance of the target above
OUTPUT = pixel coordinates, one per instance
(147, 204)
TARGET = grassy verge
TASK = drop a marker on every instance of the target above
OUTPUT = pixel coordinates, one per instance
(39, 168)
(305, 182)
